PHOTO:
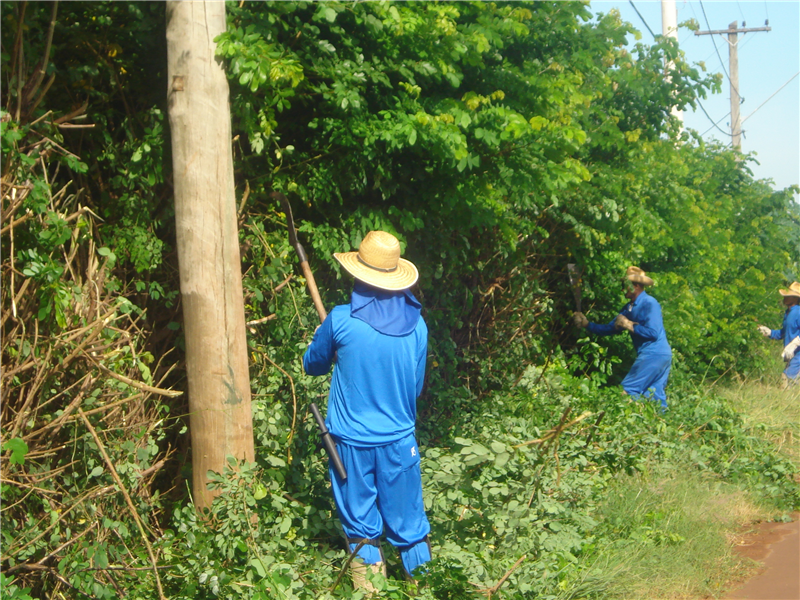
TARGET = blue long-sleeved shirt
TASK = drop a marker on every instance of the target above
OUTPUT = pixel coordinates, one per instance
(648, 334)
(376, 379)
(791, 326)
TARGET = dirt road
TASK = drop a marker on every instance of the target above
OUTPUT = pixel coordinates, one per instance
(777, 546)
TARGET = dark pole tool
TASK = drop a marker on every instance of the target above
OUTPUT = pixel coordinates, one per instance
(324, 434)
(575, 283)
(330, 445)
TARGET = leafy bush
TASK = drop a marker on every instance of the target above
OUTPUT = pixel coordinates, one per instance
(517, 499)
(498, 141)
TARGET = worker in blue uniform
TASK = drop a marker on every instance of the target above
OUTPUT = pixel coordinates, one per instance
(377, 345)
(789, 333)
(642, 318)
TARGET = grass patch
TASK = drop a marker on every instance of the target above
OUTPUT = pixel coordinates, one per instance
(670, 529)
(673, 530)
(771, 411)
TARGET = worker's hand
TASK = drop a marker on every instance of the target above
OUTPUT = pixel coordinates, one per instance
(765, 331)
(580, 320)
(622, 322)
(790, 349)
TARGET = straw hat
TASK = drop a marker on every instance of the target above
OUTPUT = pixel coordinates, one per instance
(794, 290)
(378, 262)
(636, 275)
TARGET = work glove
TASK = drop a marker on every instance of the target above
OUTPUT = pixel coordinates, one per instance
(622, 322)
(790, 349)
(580, 320)
(765, 331)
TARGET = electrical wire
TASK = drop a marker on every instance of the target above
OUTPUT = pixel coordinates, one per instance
(698, 101)
(739, 6)
(722, 64)
(743, 44)
(713, 124)
(694, 12)
(642, 18)
(771, 97)
(747, 41)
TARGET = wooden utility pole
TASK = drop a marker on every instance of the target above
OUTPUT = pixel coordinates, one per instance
(733, 32)
(208, 243)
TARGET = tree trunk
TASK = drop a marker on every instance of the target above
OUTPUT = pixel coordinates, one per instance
(208, 243)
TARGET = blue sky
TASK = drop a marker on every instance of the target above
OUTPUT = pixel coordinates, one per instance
(767, 61)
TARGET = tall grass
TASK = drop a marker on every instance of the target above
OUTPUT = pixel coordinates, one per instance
(674, 528)
(770, 410)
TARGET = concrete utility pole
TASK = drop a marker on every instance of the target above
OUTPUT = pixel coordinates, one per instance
(669, 28)
(220, 420)
(733, 58)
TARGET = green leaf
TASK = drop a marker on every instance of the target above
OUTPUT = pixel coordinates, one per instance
(286, 524)
(258, 566)
(501, 459)
(101, 558)
(18, 449)
(260, 492)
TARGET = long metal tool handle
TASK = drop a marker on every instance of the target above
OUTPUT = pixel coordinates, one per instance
(575, 283)
(330, 446)
(301, 255)
(324, 434)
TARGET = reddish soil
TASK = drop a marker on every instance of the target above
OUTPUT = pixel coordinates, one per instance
(777, 547)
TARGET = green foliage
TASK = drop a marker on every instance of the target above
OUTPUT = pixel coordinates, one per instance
(18, 449)
(504, 497)
(456, 116)
(498, 141)
(134, 205)
(11, 591)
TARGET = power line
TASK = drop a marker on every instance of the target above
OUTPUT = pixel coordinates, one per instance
(747, 41)
(705, 16)
(743, 44)
(771, 97)
(733, 77)
(713, 124)
(642, 18)
(724, 70)
(739, 6)
(694, 12)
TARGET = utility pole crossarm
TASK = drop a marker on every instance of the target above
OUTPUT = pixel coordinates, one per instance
(727, 31)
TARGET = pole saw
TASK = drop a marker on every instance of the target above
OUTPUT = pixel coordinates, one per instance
(324, 434)
(575, 274)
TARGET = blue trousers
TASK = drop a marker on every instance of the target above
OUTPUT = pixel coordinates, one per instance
(648, 377)
(383, 492)
(792, 369)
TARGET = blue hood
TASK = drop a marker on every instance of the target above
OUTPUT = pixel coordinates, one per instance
(392, 313)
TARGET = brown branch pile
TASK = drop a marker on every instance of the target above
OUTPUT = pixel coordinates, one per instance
(83, 413)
